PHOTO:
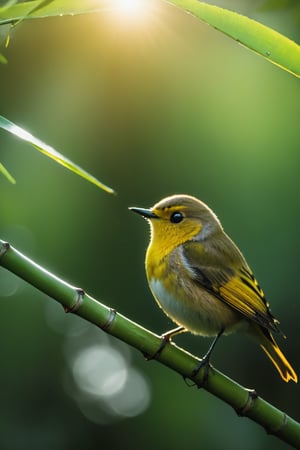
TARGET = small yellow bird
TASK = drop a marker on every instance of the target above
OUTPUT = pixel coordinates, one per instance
(202, 281)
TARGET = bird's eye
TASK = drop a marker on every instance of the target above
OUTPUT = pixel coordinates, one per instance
(176, 217)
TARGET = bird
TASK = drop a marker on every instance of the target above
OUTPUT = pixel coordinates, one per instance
(201, 280)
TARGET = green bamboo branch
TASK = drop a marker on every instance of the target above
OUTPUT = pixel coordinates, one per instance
(244, 401)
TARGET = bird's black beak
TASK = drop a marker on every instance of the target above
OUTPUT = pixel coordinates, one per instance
(147, 213)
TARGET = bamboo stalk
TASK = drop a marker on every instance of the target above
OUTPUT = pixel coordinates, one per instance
(74, 300)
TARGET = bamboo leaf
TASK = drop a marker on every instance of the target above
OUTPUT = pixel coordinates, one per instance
(6, 173)
(265, 41)
(50, 152)
(49, 8)
(3, 60)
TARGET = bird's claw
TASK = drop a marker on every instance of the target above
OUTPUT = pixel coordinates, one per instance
(204, 362)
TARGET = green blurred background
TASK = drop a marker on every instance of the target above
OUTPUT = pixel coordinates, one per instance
(152, 104)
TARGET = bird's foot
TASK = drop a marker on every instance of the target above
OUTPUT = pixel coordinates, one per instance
(165, 339)
(204, 362)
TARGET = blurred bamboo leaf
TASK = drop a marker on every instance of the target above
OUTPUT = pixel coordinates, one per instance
(7, 175)
(47, 8)
(8, 4)
(3, 60)
(50, 152)
(40, 4)
(273, 5)
(265, 41)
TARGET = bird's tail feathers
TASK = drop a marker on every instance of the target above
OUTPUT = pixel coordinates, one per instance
(270, 347)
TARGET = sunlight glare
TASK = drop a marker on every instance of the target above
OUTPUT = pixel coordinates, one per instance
(131, 8)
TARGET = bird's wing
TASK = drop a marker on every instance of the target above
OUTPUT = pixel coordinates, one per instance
(236, 287)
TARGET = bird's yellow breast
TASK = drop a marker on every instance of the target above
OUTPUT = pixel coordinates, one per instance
(166, 237)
